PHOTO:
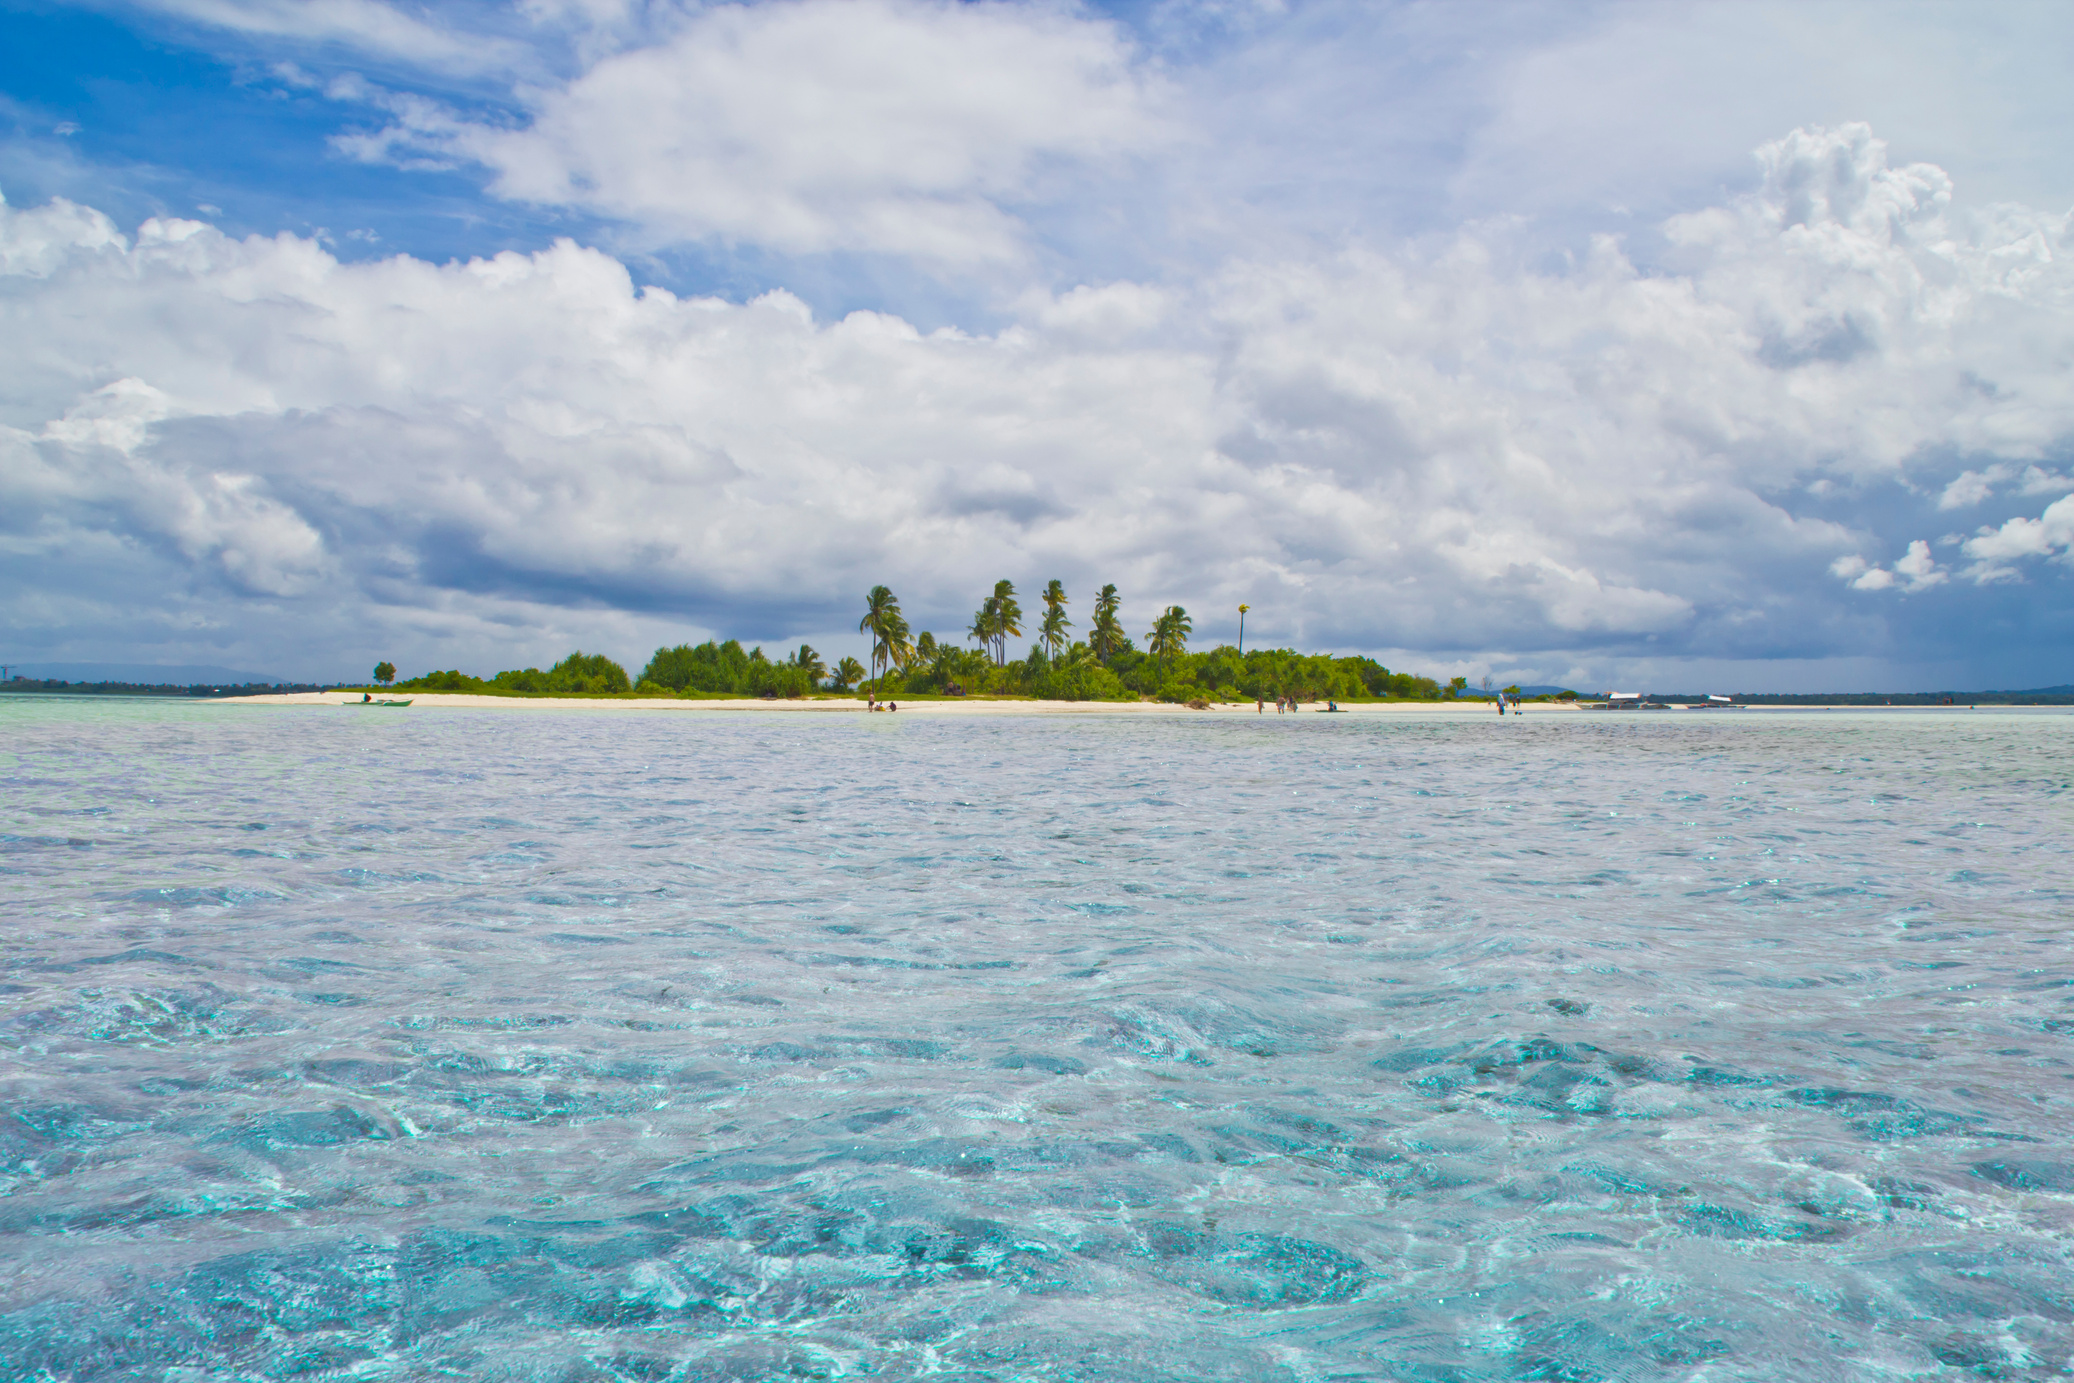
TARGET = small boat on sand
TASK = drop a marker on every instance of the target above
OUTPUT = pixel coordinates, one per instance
(370, 701)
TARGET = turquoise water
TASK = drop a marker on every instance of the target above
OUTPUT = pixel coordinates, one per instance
(587, 1046)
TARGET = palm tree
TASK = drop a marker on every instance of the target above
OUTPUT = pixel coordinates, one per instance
(900, 652)
(1008, 619)
(1169, 636)
(983, 621)
(1105, 636)
(1053, 630)
(810, 660)
(887, 627)
(848, 673)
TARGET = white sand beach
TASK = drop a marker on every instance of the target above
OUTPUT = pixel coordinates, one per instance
(841, 706)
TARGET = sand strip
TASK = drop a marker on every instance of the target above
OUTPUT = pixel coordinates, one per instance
(839, 706)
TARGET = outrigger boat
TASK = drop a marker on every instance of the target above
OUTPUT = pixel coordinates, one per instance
(367, 700)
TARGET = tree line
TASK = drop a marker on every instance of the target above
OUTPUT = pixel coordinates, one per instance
(1106, 665)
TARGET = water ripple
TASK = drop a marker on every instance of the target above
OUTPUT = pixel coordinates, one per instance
(595, 1046)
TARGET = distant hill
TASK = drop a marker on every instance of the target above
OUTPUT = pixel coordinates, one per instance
(143, 674)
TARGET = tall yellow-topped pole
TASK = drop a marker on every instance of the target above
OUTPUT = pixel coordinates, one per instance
(1242, 629)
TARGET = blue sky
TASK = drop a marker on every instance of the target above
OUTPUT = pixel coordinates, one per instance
(1711, 345)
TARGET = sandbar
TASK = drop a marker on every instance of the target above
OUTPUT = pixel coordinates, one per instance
(841, 706)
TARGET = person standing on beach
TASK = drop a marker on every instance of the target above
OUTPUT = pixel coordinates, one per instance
(1259, 706)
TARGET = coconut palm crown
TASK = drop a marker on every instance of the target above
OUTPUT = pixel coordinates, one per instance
(983, 622)
(1169, 636)
(1105, 635)
(887, 627)
(1008, 619)
(1053, 630)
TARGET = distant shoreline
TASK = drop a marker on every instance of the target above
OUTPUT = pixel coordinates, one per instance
(846, 705)
(1011, 706)
(985, 705)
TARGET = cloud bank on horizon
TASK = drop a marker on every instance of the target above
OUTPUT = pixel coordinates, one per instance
(1809, 429)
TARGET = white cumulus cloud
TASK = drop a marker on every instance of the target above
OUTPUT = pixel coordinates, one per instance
(1915, 570)
(1996, 550)
(1918, 568)
(1971, 488)
(911, 127)
(1455, 450)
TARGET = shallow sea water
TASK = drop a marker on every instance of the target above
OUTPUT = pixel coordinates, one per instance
(589, 1046)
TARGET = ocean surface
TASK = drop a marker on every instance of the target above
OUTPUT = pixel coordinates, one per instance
(608, 1046)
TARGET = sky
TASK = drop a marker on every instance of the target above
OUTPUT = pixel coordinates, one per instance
(1696, 346)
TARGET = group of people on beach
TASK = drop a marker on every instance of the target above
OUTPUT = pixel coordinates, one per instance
(1284, 705)
(871, 703)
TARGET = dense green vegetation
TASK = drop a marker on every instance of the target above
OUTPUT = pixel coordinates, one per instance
(726, 669)
(1171, 675)
(1107, 666)
(578, 674)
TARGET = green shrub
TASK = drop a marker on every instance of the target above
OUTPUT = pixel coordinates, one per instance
(726, 668)
(1079, 682)
(451, 681)
(579, 672)
(711, 667)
